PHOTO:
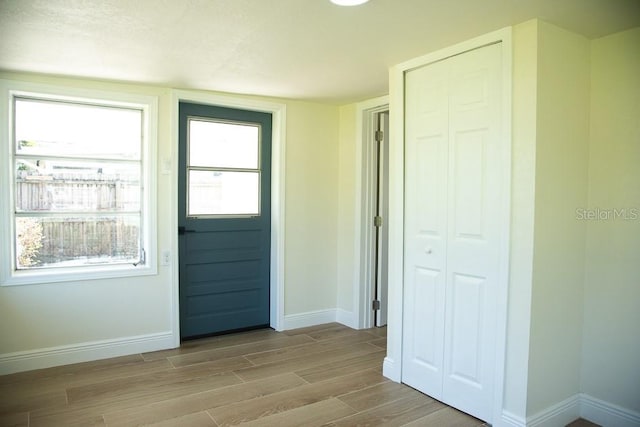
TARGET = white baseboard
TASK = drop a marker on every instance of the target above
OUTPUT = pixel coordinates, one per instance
(607, 414)
(391, 370)
(559, 414)
(511, 420)
(347, 318)
(311, 318)
(84, 352)
(584, 406)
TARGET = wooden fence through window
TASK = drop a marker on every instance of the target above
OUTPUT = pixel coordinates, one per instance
(108, 234)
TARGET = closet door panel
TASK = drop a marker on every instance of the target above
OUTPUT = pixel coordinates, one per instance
(452, 229)
(473, 244)
(425, 228)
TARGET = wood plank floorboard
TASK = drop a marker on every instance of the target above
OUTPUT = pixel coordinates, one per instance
(380, 342)
(199, 419)
(376, 395)
(324, 375)
(314, 414)
(17, 419)
(445, 416)
(342, 367)
(582, 423)
(396, 413)
(158, 411)
(238, 350)
(240, 412)
(304, 362)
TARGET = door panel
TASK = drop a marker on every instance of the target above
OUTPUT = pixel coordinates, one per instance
(426, 136)
(423, 350)
(466, 327)
(452, 193)
(474, 231)
(426, 350)
(468, 170)
(224, 219)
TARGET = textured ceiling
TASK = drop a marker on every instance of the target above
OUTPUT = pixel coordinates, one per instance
(301, 49)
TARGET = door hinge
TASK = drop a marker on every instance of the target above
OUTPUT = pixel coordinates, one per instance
(377, 221)
(379, 136)
(375, 304)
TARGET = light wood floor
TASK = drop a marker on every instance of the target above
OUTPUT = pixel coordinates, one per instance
(327, 375)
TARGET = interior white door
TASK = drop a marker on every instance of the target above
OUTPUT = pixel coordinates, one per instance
(426, 136)
(452, 228)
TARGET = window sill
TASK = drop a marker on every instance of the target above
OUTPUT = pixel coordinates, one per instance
(42, 277)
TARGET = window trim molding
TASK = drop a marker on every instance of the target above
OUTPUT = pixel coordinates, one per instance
(149, 105)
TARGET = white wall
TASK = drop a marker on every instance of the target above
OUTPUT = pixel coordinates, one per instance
(523, 150)
(64, 319)
(45, 321)
(570, 151)
(574, 284)
(611, 343)
(559, 238)
(312, 207)
(347, 264)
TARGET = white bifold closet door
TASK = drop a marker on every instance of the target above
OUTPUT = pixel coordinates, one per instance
(452, 228)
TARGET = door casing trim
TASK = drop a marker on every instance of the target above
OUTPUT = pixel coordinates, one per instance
(364, 235)
(278, 163)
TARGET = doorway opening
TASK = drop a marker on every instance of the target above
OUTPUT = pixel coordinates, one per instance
(374, 236)
(278, 163)
(381, 245)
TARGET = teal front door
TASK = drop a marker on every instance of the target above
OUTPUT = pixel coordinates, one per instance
(224, 219)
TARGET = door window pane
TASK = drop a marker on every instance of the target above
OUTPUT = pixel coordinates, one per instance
(223, 145)
(223, 177)
(223, 193)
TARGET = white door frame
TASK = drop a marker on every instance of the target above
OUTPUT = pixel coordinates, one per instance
(392, 366)
(278, 144)
(366, 112)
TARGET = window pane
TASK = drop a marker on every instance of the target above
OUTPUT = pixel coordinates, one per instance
(76, 241)
(77, 130)
(223, 145)
(223, 193)
(55, 185)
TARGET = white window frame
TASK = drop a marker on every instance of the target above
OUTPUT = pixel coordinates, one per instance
(9, 274)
